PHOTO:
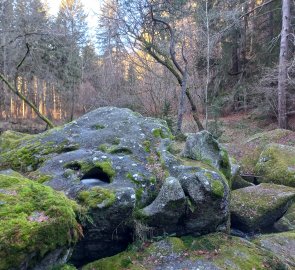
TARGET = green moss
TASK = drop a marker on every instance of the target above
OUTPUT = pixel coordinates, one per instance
(147, 146)
(64, 267)
(114, 149)
(229, 252)
(97, 197)
(259, 206)
(117, 262)
(34, 219)
(138, 194)
(119, 150)
(225, 167)
(277, 165)
(160, 133)
(153, 180)
(116, 141)
(106, 167)
(12, 139)
(250, 159)
(223, 251)
(98, 126)
(30, 153)
(85, 167)
(217, 188)
(103, 148)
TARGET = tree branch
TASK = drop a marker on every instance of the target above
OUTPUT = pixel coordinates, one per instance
(29, 103)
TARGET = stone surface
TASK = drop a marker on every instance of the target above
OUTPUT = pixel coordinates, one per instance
(258, 207)
(276, 164)
(211, 252)
(114, 162)
(203, 147)
(238, 182)
(168, 208)
(287, 222)
(281, 244)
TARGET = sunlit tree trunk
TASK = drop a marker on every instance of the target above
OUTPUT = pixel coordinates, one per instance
(282, 78)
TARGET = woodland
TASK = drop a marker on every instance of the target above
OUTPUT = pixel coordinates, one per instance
(188, 62)
(161, 139)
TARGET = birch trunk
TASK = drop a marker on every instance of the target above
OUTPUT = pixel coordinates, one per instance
(282, 77)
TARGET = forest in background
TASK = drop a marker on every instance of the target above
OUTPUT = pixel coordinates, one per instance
(171, 59)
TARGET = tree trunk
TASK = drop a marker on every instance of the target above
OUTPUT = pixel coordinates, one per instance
(181, 101)
(282, 77)
(23, 98)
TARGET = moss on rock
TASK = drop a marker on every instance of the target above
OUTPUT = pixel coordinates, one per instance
(217, 188)
(34, 220)
(97, 197)
(287, 222)
(281, 244)
(253, 147)
(220, 250)
(257, 207)
(26, 153)
(277, 165)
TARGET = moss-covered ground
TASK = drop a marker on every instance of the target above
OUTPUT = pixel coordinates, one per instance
(34, 220)
(223, 251)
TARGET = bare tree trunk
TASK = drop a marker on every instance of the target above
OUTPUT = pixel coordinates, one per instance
(208, 65)
(282, 77)
(181, 101)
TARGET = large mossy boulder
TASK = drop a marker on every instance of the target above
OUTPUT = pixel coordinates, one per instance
(247, 152)
(276, 164)
(258, 207)
(115, 163)
(281, 244)
(211, 252)
(37, 224)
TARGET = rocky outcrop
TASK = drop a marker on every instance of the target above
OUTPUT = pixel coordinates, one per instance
(281, 244)
(258, 207)
(203, 147)
(168, 208)
(276, 164)
(287, 222)
(119, 166)
(212, 252)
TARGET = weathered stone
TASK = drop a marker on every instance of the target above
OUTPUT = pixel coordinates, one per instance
(281, 244)
(276, 164)
(208, 197)
(203, 147)
(210, 252)
(114, 163)
(287, 222)
(258, 207)
(238, 182)
(166, 210)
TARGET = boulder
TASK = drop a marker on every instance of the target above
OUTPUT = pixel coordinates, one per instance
(238, 182)
(281, 244)
(37, 224)
(203, 147)
(247, 152)
(168, 208)
(258, 207)
(287, 222)
(117, 164)
(211, 252)
(276, 164)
